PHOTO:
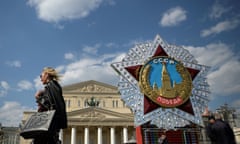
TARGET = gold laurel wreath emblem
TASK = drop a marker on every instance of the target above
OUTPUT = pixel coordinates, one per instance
(171, 96)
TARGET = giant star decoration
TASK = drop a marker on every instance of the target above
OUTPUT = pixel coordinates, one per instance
(143, 108)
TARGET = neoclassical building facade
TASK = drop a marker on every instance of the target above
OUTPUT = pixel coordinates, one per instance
(96, 115)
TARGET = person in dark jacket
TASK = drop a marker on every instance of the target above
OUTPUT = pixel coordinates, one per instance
(210, 133)
(220, 132)
(50, 98)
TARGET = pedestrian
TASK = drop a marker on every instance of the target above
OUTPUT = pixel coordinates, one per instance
(209, 131)
(219, 131)
(50, 98)
(163, 139)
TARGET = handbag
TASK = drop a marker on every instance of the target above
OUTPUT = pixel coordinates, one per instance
(38, 124)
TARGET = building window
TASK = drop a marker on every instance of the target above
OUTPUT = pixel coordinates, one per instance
(85, 103)
(79, 103)
(113, 103)
(69, 103)
(116, 103)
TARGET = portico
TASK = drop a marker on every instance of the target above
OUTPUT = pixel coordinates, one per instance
(102, 127)
(96, 135)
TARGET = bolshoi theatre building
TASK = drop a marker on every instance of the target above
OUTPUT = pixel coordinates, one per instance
(96, 115)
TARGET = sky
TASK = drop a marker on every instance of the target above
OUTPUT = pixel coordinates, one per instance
(81, 38)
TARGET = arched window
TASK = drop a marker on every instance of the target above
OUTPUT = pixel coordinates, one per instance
(116, 103)
(79, 103)
(85, 103)
(69, 103)
(113, 103)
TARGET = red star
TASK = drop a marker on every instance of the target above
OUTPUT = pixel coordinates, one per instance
(149, 105)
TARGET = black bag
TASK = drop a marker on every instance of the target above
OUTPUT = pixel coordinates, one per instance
(38, 124)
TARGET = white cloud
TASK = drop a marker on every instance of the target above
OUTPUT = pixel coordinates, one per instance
(214, 54)
(88, 68)
(225, 80)
(37, 83)
(111, 2)
(91, 49)
(221, 27)
(11, 113)
(4, 87)
(95, 68)
(111, 45)
(69, 56)
(224, 75)
(218, 10)
(173, 16)
(61, 10)
(24, 85)
(15, 63)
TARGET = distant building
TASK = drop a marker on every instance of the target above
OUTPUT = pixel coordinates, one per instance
(97, 115)
(9, 135)
(228, 114)
(237, 119)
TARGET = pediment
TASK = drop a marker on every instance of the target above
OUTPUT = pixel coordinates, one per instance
(92, 113)
(90, 87)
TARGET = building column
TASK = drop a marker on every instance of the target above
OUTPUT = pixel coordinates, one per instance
(99, 135)
(112, 135)
(61, 135)
(15, 139)
(73, 135)
(125, 135)
(86, 135)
